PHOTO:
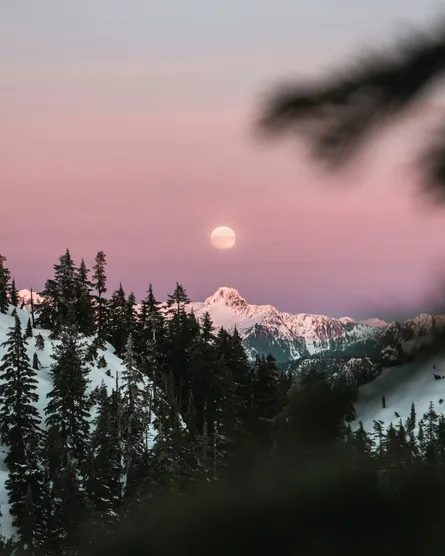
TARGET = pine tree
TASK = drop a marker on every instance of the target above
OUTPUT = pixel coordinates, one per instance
(430, 420)
(40, 342)
(181, 329)
(151, 336)
(134, 418)
(28, 331)
(380, 435)
(266, 388)
(148, 319)
(362, 441)
(131, 321)
(117, 321)
(170, 466)
(411, 421)
(35, 362)
(84, 307)
(20, 430)
(32, 309)
(421, 438)
(5, 277)
(67, 419)
(104, 482)
(68, 409)
(218, 394)
(150, 315)
(20, 382)
(99, 282)
(231, 350)
(68, 505)
(410, 426)
(58, 308)
(396, 451)
(202, 373)
(178, 300)
(14, 296)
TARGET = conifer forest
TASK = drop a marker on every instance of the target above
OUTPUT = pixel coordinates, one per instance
(190, 447)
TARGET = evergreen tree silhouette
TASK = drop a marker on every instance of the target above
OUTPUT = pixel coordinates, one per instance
(5, 277)
(20, 430)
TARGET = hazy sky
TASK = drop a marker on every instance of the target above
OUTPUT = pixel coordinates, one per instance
(127, 127)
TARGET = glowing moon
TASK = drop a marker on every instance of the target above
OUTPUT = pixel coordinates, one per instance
(223, 237)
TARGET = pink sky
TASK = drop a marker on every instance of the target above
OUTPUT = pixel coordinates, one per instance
(143, 159)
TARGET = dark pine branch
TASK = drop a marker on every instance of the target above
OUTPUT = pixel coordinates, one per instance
(336, 116)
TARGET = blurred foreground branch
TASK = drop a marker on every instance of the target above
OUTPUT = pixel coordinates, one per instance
(337, 115)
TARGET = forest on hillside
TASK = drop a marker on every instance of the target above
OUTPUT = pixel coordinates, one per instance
(195, 449)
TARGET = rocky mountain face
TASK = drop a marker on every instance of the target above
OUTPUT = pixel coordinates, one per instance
(291, 338)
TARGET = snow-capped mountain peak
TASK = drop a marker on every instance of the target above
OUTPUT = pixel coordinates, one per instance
(227, 296)
(25, 297)
(290, 337)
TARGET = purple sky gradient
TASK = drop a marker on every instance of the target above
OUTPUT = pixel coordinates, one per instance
(143, 154)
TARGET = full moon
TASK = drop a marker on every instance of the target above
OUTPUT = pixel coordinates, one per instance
(223, 237)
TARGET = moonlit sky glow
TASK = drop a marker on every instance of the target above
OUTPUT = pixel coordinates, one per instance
(127, 127)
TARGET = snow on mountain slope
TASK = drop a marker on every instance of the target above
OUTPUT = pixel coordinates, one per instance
(292, 337)
(346, 320)
(227, 308)
(374, 322)
(25, 297)
(401, 386)
(287, 336)
(265, 329)
(96, 375)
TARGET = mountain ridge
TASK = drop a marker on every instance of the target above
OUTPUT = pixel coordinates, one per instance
(292, 337)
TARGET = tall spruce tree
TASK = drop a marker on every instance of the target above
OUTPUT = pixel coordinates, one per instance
(238, 416)
(151, 336)
(58, 308)
(135, 405)
(181, 328)
(20, 431)
(68, 408)
(28, 331)
(32, 309)
(67, 419)
(84, 307)
(266, 388)
(118, 320)
(203, 375)
(69, 506)
(105, 472)
(14, 294)
(99, 282)
(5, 277)
(178, 300)
(150, 314)
(131, 316)
(171, 466)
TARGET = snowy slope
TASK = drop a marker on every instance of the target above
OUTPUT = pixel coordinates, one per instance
(97, 376)
(401, 386)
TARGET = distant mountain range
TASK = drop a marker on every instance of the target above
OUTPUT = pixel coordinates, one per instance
(293, 337)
